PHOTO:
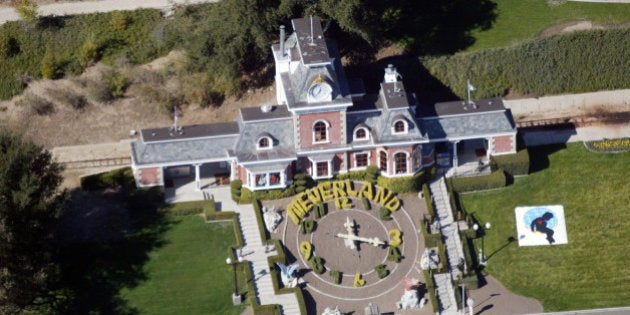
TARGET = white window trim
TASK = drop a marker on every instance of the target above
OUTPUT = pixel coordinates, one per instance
(258, 147)
(406, 129)
(314, 170)
(386, 161)
(252, 180)
(367, 134)
(354, 159)
(406, 162)
(327, 124)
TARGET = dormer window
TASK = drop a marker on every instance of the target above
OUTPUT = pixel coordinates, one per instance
(320, 131)
(361, 134)
(400, 126)
(264, 143)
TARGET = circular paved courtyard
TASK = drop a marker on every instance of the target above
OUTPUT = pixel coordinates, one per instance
(320, 289)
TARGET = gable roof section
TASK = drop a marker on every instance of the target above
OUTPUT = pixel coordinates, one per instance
(280, 131)
(311, 43)
(189, 132)
(189, 151)
(469, 126)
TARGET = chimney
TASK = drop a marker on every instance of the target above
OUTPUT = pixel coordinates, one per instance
(282, 54)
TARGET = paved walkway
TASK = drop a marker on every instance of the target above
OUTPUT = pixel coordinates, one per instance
(254, 251)
(452, 242)
(72, 8)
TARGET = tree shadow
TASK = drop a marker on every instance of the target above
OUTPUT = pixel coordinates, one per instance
(94, 267)
(539, 156)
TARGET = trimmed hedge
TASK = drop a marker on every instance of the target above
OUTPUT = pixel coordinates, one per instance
(402, 184)
(428, 277)
(317, 264)
(385, 214)
(264, 234)
(430, 240)
(366, 203)
(428, 199)
(236, 187)
(336, 276)
(513, 164)
(381, 271)
(495, 180)
(393, 254)
(122, 177)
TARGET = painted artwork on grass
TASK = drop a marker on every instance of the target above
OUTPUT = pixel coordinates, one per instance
(541, 225)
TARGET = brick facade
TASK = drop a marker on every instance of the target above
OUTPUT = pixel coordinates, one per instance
(305, 128)
(150, 176)
(503, 144)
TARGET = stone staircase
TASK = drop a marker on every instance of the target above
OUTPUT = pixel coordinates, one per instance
(256, 253)
(453, 244)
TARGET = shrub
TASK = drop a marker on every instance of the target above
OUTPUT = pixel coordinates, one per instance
(385, 214)
(235, 189)
(117, 83)
(496, 179)
(381, 271)
(366, 203)
(307, 226)
(122, 177)
(98, 90)
(428, 200)
(9, 46)
(371, 173)
(67, 97)
(513, 164)
(51, 66)
(393, 254)
(319, 210)
(317, 265)
(608, 145)
(336, 276)
(402, 184)
(36, 104)
(352, 175)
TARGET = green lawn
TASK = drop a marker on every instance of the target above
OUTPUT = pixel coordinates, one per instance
(524, 19)
(591, 271)
(188, 275)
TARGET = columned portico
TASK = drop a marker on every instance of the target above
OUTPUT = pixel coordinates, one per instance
(455, 160)
(197, 176)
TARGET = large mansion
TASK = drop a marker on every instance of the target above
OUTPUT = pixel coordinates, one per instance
(324, 124)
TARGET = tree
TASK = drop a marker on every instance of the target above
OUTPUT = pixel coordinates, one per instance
(30, 208)
(27, 10)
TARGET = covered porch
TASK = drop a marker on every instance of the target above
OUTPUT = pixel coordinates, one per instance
(193, 182)
(469, 157)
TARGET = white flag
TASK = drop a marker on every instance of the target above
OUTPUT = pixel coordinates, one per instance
(471, 87)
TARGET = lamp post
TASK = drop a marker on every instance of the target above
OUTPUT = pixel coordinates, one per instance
(482, 256)
(470, 304)
(236, 298)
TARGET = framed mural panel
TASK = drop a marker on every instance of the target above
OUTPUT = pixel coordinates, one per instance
(541, 225)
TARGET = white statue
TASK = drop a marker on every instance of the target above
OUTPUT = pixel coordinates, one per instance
(287, 274)
(272, 219)
(409, 298)
(332, 311)
(429, 260)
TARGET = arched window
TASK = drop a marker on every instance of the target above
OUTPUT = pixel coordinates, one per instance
(400, 163)
(264, 142)
(383, 161)
(360, 134)
(320, 132)
(400, 126)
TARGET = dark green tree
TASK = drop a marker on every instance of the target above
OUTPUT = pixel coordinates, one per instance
(30, 208)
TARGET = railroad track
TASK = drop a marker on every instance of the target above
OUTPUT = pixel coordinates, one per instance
(576, 121)
(92, 163)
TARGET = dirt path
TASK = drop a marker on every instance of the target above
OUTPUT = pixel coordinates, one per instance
(7, 13)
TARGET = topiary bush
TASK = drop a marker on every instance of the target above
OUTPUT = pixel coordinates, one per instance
(366, 203)
(393, 254)
(317, 264)
(371, 173)
(235, 189)
(385, 214)
(381, 271)
(307, 226)
(402, 184)
(336, 276)
(320, 210)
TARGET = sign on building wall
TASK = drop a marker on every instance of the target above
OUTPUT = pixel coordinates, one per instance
(541, 225)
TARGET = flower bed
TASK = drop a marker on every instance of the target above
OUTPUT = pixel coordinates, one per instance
(609, 145)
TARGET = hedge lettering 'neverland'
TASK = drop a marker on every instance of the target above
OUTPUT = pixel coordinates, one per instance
(340, 191)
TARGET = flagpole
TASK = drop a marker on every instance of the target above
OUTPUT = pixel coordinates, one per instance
(468, 89)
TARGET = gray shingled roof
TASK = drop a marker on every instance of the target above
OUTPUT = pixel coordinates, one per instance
(279, 130)
(472, 125)
(183, 151)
